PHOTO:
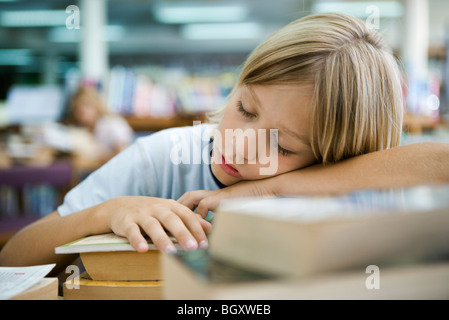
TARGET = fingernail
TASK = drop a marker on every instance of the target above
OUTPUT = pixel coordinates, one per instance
(170, 249)
(142, 246)
(203, 244)
(191, 245)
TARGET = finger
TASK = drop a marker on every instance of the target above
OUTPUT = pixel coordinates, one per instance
(206, 225)
(207, 204)
(194, 225)
(175, 225)
(192, 198)
(135, 238)
(157, 234)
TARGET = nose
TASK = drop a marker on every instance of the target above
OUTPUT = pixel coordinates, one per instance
(241, 145)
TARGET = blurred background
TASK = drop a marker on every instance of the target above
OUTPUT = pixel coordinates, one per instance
(146, 65)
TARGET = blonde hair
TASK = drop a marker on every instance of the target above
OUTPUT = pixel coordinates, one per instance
(357, 100)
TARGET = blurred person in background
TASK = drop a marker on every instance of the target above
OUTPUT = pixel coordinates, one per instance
(110, 131)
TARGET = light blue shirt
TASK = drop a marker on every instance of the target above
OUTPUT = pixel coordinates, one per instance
(165, 164)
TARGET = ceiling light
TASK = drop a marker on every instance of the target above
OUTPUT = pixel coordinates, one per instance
(64, 35)
(192, 14)
(247, 30)
(33, 18)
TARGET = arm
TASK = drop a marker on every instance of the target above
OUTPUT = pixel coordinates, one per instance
(421, 163)
(125, 216)
(34, 246)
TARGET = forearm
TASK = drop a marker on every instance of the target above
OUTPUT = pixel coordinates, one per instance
(423, 163)
(35, 244)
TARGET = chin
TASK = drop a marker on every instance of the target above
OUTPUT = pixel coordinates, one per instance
(223, 177)
(227, 180)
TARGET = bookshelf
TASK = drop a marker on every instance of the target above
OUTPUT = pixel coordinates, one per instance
(28, 192)
(163, 97)
(148, 123)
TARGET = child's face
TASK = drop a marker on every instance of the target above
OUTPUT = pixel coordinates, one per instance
(85, 112)
(254, 112)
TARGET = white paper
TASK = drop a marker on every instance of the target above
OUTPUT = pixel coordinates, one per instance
(17, 280)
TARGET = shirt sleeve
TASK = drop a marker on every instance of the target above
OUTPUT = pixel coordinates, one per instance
(128, 173)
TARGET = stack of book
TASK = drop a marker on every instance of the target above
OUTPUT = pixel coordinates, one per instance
(386, 244)
(114, 270)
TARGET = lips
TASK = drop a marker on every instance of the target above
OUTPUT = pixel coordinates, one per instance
(228, 168)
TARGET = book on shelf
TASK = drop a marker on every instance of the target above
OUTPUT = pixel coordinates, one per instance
(111, 257)
(305, 236)
(31, 200)
(9, 201)
(164, 92)
(28, 283)
(39, 199)
(197, 275)
(131, 93)
(88, 289)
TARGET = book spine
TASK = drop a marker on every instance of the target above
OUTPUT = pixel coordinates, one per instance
(39, 200)
(163, 92)
(9, 201)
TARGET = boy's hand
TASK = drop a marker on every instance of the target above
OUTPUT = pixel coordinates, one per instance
(205, 200)
(130, 216)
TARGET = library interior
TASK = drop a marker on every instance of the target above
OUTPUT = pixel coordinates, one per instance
(81, 80)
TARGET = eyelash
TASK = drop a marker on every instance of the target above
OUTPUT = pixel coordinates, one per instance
(283, 151)
(246, 114)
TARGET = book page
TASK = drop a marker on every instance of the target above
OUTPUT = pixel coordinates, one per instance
(101, 243)
(108, 238)
(17, 280)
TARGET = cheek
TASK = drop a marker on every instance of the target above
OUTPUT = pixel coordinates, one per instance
(231, 119)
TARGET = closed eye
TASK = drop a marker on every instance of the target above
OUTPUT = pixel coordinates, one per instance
(245, 113)
(283, 151)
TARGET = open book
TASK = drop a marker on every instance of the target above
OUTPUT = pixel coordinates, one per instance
(28, 283)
